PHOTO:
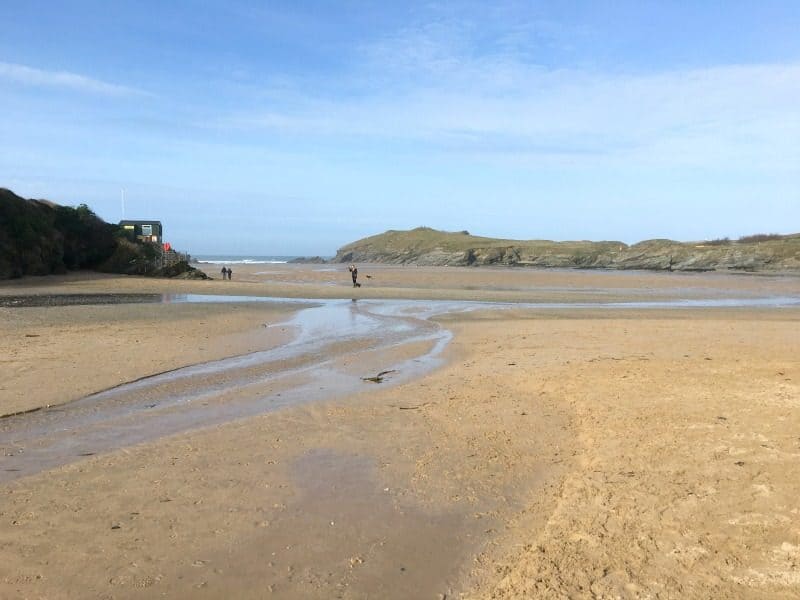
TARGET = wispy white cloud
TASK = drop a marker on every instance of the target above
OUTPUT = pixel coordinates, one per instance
(446, 85)
(25, 75)
(705, 117)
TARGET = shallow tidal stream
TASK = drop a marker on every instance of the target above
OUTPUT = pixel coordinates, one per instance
(337, 346)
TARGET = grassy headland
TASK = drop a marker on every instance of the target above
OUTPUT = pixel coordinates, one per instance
(426, 246)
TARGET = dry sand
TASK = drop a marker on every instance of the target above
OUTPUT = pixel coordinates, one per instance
(571, 453)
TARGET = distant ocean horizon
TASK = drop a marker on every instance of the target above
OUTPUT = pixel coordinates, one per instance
(242, 259)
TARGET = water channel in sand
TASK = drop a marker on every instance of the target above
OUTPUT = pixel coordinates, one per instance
(336, 344)
(330, 338)
(341, 507)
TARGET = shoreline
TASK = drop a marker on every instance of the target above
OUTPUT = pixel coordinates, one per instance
(417, 282)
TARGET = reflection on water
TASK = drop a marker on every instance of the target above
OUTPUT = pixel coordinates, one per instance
(433, 307)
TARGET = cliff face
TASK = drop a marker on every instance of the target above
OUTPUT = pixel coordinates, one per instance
(39, 237)
(424, 246)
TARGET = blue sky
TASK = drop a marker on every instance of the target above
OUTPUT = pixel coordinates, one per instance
(296, 127)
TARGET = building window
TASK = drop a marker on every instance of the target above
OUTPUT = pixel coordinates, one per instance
(147, 230)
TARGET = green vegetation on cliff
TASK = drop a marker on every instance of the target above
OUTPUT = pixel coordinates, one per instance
(426, 246)
(38, 237)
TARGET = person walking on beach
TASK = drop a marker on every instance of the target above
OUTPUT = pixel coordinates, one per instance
(230, 272)
(224, 273)
(354, 273)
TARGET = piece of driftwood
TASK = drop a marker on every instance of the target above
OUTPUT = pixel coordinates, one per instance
(413, 407)
(379, 377)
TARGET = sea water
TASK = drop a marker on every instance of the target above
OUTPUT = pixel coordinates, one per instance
(246, 259)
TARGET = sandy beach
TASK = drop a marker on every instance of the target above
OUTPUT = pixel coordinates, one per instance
(562, 451)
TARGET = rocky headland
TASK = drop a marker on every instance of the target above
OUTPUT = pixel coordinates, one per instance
(430, 247)
(39, 237)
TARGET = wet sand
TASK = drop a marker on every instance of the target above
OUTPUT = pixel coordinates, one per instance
(577, 453)
(52, 355)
